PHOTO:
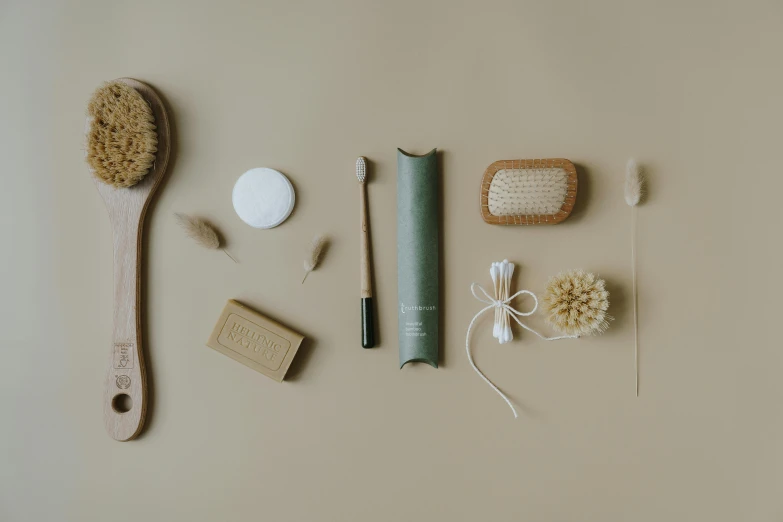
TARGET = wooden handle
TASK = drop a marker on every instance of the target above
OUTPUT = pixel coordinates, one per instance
(368, 323)
(125, 396)
(364, 242)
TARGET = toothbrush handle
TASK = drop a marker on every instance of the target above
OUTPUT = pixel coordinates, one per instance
(125, 396)
(368, 324)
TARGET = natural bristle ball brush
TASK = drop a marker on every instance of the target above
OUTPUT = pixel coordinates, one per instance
(127, 151)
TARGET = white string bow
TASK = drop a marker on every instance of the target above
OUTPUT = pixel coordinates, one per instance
(501, 278)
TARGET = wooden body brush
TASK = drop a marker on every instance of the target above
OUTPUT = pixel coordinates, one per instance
(528, 192)
(127, 150)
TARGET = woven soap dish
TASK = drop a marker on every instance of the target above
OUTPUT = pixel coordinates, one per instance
(528, 192)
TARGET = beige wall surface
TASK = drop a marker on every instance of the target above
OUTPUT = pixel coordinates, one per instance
(692, 89)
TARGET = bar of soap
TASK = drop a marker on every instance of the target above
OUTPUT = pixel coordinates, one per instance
(254, 340)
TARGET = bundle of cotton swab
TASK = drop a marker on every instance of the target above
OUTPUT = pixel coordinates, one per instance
(504, 313)
(501, 279)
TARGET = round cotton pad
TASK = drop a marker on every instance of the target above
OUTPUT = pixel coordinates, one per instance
(263, 198)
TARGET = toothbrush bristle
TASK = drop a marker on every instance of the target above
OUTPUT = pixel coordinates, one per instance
(361, 169)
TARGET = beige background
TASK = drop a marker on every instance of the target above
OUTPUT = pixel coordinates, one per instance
(692, 89)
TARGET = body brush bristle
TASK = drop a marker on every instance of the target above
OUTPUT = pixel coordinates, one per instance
(122, 138)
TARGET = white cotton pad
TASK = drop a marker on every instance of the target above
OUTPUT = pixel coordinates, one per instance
(263, 198)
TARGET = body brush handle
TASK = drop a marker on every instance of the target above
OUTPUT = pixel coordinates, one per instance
(368, 323)
(125, 398)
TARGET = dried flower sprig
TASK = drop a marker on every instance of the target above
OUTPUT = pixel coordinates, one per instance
(202, 232)
(317, 250)
(634, 190)
(634, 183)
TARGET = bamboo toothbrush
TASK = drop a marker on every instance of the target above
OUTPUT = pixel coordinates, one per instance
(368, 325)
(127, 150)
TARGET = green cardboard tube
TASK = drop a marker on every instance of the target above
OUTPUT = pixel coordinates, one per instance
(417, 257)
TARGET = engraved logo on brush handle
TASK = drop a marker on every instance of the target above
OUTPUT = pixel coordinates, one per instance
(123, 356)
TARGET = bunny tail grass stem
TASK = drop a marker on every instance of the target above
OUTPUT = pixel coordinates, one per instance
(635, 313)
(634, 189)
(229, 255)
(315, 253)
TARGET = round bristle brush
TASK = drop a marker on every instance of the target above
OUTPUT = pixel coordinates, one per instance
(127, 151)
